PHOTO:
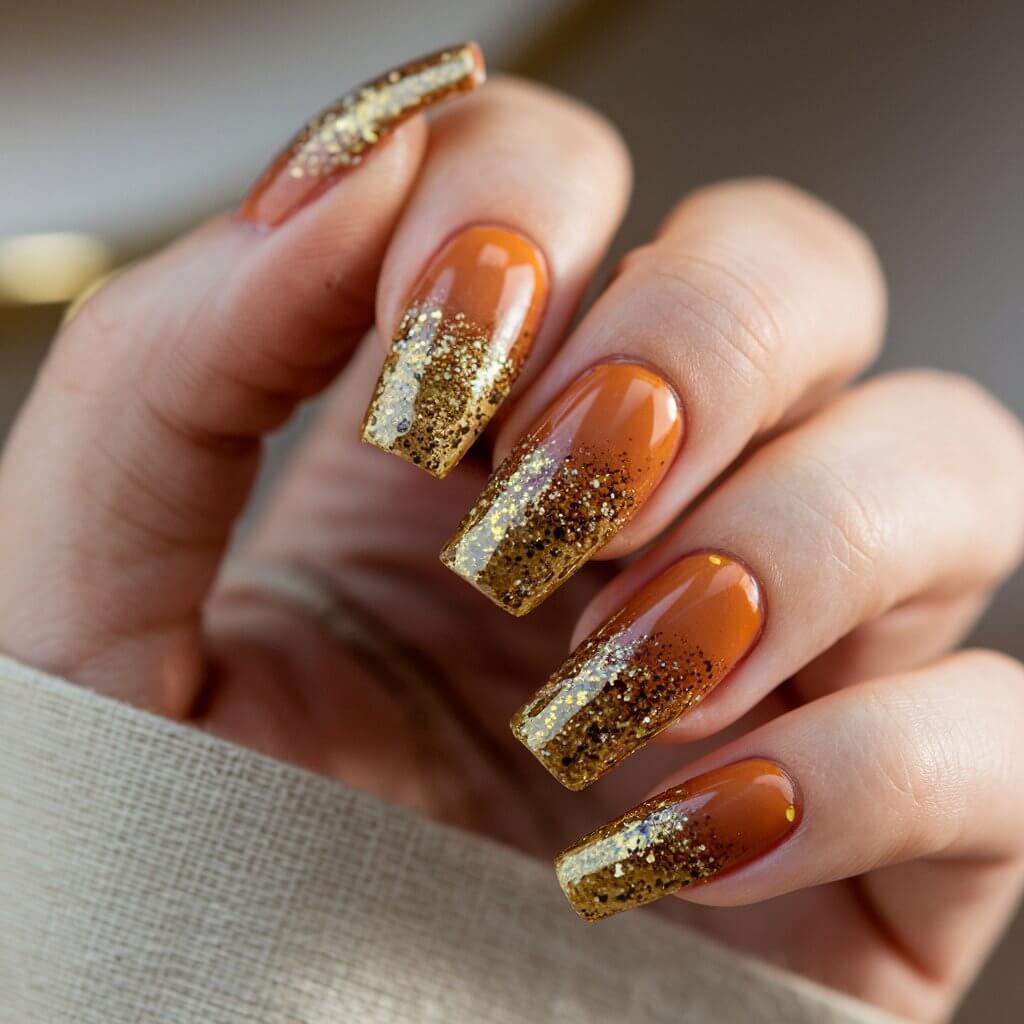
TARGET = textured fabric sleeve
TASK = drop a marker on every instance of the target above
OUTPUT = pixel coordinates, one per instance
(150, 873)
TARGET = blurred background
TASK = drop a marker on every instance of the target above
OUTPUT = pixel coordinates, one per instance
(127, 122)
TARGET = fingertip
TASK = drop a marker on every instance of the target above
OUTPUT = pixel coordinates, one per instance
(335, 142)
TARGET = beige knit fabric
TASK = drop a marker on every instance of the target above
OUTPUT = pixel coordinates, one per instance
(150, 874)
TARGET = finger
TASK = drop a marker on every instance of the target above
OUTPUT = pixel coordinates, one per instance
(340, 136)
(754, 301)
(140, 442)
(554, 177)
(879, 501)
(908, 635)
(511, 215)
(875, 776)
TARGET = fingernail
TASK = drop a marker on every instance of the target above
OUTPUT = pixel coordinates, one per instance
(586, 466)
(687, 835)
(652, 661)
(340, 137)
(464, 337)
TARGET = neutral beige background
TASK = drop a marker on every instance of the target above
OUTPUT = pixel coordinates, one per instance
(130, 119)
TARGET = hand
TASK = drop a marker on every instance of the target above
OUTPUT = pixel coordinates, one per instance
(816, 547)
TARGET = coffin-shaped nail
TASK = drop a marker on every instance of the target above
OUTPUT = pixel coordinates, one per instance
(586, 466)
(462, 341)
(652, 661)
(338, 139)
(686, 835)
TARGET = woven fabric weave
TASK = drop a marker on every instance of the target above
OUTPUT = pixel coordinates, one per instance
(152, 874)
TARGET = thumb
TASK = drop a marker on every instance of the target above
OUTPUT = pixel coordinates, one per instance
(139, 444)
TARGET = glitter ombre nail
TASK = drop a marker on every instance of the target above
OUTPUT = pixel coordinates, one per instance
(341, 136)
(687, 835)
(651, 662)
(463, 338)
(568, 486)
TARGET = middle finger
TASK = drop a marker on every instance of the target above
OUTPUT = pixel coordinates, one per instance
(877, 502)
(755, 301)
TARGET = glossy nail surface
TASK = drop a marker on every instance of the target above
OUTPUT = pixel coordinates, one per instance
(568, 486)
(461, 343)
(660, 654)
(340, 137)
(686, 835)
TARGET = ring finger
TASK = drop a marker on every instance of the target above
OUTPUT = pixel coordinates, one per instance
(878, 502)
(927, 814)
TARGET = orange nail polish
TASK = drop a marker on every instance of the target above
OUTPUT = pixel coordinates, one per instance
(652, 661)
(462, 341)
(569, 485)
(340, 137)
(687, 835)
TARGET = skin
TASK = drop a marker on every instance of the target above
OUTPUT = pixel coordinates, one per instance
(878, 518)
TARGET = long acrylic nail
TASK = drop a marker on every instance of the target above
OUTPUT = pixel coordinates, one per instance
(461, 343)
(340, 137)
(651, 662)
(569, 485)
(686, 835)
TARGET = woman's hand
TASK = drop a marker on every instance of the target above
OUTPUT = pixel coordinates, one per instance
(815, 547)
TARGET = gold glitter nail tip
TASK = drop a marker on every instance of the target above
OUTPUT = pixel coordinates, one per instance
(650, 663)
(568, 486)
(462, 341)
(340, 137)
(685, 836)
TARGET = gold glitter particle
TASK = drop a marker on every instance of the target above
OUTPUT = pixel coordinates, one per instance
(542, 515)
(641, 857)
(566, 489)
(442, 382)
(649, 664)
(340, 136)
(613, 694)
(685, 836)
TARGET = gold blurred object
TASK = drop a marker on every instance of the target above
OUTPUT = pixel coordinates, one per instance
(52, 267)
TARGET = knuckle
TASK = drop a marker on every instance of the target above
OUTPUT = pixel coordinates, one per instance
(780, 207)
(932, 382)
(919, 763)
(988, 437)
(934, 761)
(99, 320)
(517, 93)
(847, 527)
(528, 117)
(964, 395)
(722, 307)
(908, 763)
(756, 272)
(985, 663)
(734, 195)
(596, 137)
(791, 226)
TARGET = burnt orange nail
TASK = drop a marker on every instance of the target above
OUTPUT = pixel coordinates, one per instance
(569, 485)
(687, 835)
(340, 137)
(461, 343)
(651, 662)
